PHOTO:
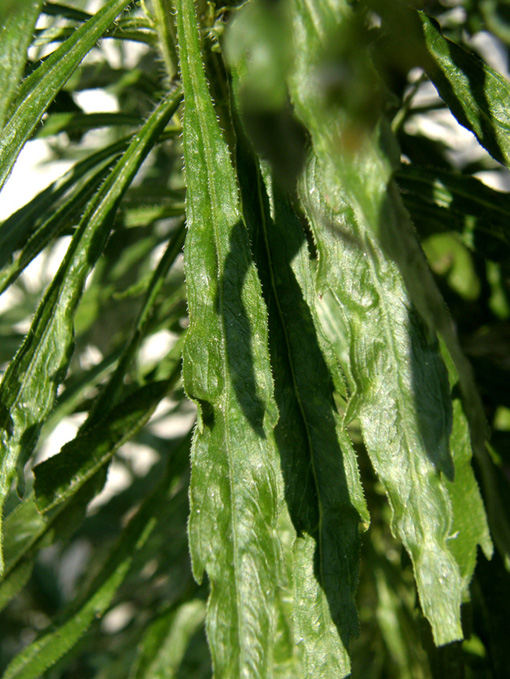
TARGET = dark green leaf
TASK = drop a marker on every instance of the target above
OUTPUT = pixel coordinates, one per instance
(58, 478)
(93, 603)
(441, 200)
(472, 90)
(323, 490)
(72, 122)
(234, 491)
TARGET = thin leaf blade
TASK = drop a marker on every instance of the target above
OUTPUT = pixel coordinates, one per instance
(16, 29)
(226, 371)
(472, 90)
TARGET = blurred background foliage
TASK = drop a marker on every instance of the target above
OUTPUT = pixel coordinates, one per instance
(154, 626)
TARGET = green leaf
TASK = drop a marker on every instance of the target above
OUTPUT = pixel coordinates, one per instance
(471, 89)
(108, 427)
(44, 231)
(401, 396)
(319, 466)
(58, 478)
(17, 23)
(19, 227)
(94, 602)
(39, 89)
(59, 9)
(72, 122)
(441, 200)
(469, 528)
(166, 640)
(400, 387)
(28, 390)
(27, 532)
(234, 489)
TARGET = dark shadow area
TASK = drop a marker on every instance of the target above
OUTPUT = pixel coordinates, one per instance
(238, 335)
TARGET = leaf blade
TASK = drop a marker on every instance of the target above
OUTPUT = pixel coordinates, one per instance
(16, 29)
(226, 372)
(472, 90)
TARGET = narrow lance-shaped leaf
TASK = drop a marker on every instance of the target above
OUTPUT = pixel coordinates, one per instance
(400, 394)
(17, 23)
(226, 369)
(469, 528)
(472, 90)
(166, 640)
(27, 532)
(40, 88)
(66, 482)
(59, 478)
(17, 229)
(67, 214)
(400, 390)
(323, 490)
(108, 427)
(27, 392)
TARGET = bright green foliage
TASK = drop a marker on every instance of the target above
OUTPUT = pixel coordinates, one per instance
(306, 488)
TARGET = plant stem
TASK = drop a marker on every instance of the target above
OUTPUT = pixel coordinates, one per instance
(163, 11)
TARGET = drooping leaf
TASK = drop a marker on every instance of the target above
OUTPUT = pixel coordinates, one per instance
(469, 529)
(226, 370)
(400, 384)
(17, 23)
(400, 395)
(472, 90)
(323, 490)
(28, 390)
(39, 89)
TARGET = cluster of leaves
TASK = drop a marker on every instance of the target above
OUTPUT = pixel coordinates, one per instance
(340, 262)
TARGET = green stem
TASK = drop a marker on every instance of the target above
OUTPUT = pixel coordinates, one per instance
(163, 11)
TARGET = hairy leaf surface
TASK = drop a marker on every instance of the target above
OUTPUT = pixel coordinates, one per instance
(322, 486)
(226, 371)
